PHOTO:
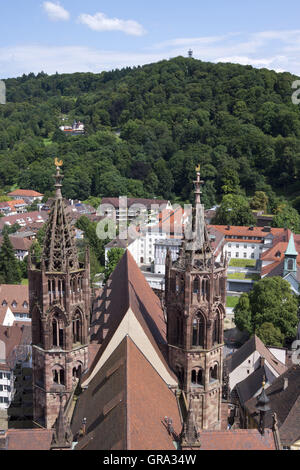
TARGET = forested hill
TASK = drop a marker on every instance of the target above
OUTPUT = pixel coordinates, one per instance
(148, 127)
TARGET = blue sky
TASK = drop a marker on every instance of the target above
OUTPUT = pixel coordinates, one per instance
(95, 35)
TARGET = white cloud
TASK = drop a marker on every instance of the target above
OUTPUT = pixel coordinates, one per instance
(100, 22)
(56, 12)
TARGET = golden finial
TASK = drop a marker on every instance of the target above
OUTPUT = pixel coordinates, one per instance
(58, 163)
(198, 169)
(264, 382)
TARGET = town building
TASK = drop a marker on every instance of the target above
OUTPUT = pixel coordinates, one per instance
(14, 299)
(17, 206)
(28, 195)
(284, 400)
(27, 220)
(14, 342)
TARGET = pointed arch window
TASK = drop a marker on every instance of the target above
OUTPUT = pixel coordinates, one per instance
(77, 328)
(198, 333)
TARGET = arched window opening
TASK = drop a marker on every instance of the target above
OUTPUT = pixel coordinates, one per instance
(59, 375)
(213, 373)
(290, 265)
(198, 330)
(57, 332)
(197, 377)
(77, 328)
(196, 286)
(216, 330)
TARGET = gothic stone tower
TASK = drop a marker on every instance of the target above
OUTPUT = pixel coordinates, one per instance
(59, 298)
(195, 306)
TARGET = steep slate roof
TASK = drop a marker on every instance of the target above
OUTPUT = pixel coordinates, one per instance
(125, 405)
(131, 292)
(250, 386)
(254, 344)
(239, 439)
(28, 439)
(285, 403)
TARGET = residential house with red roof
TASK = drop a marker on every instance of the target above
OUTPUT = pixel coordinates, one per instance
(28, 195)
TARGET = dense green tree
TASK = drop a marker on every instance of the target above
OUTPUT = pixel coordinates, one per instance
(234, 210)
(113, 257)
(287, 217)
(270, 301)
(260, 201)
(270, 335)
(154, 124)
(10, 271)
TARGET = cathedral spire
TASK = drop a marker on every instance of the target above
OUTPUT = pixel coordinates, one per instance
(59, 247)
(197, 240)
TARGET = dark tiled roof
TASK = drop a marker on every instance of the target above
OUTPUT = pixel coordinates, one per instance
(122, 408)
(285, 403)
(252, 384)
(253, 344)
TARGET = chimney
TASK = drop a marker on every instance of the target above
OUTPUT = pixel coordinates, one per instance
(285, 383)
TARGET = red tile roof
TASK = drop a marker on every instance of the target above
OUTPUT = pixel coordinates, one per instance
(27, 219)
(239, 439)
(117, 403)
(130, 290)
(246, 232)
(13, 336)
(11, 293)
(19, 243)
(25, 193)
(28, 439)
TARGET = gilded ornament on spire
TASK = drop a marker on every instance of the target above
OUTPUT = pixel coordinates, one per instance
(58, 163)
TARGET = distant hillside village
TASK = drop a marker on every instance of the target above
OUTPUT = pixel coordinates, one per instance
(231, 391)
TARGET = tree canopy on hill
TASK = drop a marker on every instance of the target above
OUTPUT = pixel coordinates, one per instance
(148, 127)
